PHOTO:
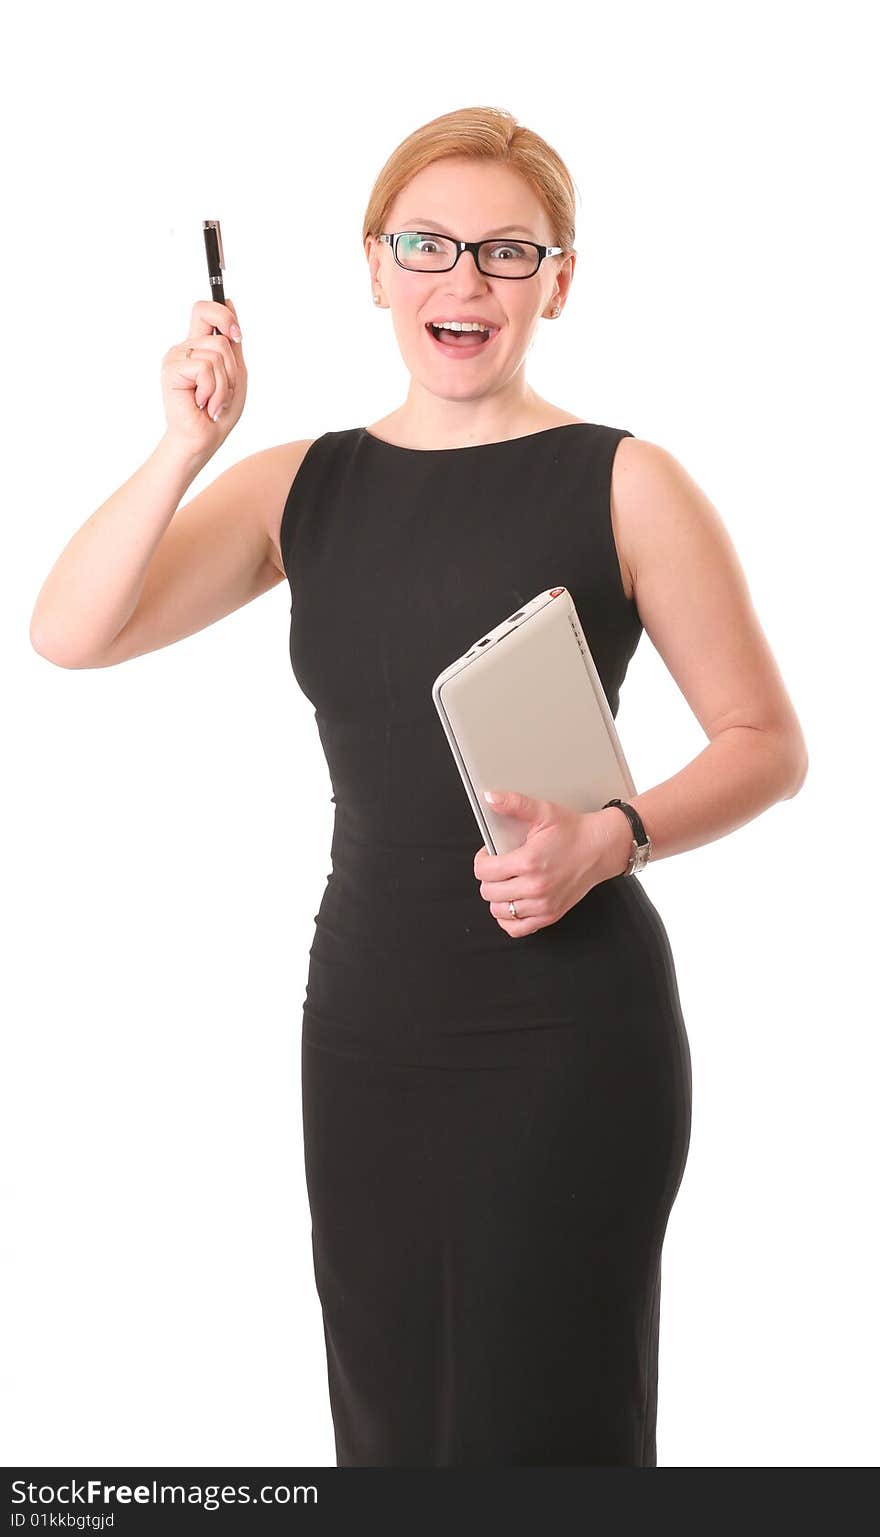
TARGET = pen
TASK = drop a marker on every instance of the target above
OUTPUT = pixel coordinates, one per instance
(214, 253)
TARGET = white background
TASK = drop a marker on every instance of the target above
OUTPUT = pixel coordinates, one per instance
(168, 822)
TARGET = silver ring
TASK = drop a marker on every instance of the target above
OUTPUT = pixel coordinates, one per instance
(511, 908)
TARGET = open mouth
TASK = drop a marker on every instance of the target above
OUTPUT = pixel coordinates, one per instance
(464, 344)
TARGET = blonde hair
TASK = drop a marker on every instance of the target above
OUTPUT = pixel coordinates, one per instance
(479, 133)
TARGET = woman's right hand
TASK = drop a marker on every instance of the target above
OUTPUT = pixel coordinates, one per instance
(212, 380)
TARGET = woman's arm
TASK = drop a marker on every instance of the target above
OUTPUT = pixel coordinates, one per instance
(693, 600)
(142, 572)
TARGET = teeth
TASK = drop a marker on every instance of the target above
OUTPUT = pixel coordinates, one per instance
(458, 325)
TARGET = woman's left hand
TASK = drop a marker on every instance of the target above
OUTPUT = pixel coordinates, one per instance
(565, 854)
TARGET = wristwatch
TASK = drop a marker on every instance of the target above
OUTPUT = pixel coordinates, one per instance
(641, 848)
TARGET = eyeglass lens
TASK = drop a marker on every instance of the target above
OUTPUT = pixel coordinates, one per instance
(422, 252)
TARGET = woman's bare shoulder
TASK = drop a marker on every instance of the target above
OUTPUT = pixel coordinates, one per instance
(641, 470)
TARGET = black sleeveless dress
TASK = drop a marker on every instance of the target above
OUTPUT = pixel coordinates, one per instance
(495, 1129)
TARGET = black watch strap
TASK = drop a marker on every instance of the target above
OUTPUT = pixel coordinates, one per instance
(635, 821)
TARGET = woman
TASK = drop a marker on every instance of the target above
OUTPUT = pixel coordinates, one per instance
(496, 1076)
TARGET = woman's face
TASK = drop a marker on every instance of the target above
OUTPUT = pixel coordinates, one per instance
(470, 201)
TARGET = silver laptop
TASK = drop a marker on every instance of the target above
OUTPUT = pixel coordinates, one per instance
(524, 709)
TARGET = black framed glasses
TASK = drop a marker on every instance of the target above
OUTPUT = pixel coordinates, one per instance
(510, 257)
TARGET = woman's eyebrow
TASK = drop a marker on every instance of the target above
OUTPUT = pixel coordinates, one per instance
(506, 229)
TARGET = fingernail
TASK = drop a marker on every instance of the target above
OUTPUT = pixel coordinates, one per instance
(490, 796)
(235, 332)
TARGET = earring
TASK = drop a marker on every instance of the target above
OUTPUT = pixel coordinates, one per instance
(376, 299)
(556, 312)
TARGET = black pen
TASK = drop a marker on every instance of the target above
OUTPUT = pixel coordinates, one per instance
(214, 253)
